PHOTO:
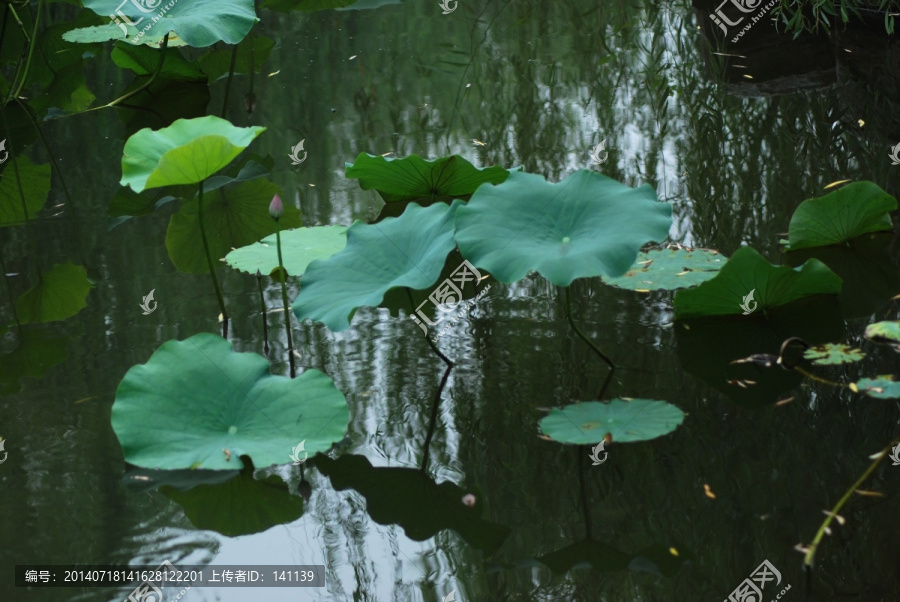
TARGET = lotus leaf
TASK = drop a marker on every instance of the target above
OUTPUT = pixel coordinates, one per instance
(60, 294)
(186, 152)
(35, 180)
(196, 399)
(882, 387)
(747, 283)
(400, 251)
(199, 23)
(36, 354)
(298, 248)
(831, 354)
(670, 269)
(588, 422)
(588, 225)
(840, 216)
(413, 178)
(234, 219)
(888, 331)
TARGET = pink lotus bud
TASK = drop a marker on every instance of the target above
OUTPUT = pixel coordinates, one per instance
(276, 208)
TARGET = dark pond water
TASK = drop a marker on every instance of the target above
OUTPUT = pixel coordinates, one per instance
(734, 143)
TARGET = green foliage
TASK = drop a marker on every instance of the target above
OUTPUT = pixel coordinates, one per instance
(669, 269)
(299, 247)
(588, 225)
(882, 387)
(887, 332)
(233, 218)
(832, 354)
(747, 272)
(60, 294)
(840, 216)
(36, 354)
(197, 398)
(35, 182)
(144, 60)
(627, 420)
(400, 251)
(186, 152)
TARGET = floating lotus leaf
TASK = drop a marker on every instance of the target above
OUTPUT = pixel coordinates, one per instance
(35, 180)
(235, 218)
(409, 251)
(60, 294)
(197, 398)
(887, 332)
(413, 178)
(186, 152)
(832, 354)
(239, 506)
(840, 216)
(298, 248)
(669, 269)
(882, 387)
(199, 23)
(588, 225)
(588, 422)
(747, 283)
(410, 498)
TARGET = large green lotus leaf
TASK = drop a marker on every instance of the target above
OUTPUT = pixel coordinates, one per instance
(186, 152)
(197, 398)
(882, 387)
(839, 216)
(107, 31)
(410, 498)
(588, 422)
(235, 218)
(239, 506)
(35, 180)
(833, 354)
(400, 251)
(587, 225)
(60, 294)
(749, 281)
(413, 178)
(670, 269)
(887, 332)
(35, 354)
(199, 23)
(67, 91)
(298, 248)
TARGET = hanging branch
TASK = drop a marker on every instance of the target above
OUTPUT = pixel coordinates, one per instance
(590, 343)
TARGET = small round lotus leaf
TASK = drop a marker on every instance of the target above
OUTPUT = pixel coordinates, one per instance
(882, 387)
(588, 422)
(888, 331)
(832, 354)
(669, 269)
(299, 247)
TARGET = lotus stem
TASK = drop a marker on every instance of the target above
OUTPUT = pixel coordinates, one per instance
(212, 267)
(234, 51)
(444, 358)
(434, 413)
(32, 42)
(262, 310)
(811, 551)
(284, 300)
(612, 367)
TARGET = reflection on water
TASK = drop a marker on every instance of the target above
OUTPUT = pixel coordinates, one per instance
(525, 83)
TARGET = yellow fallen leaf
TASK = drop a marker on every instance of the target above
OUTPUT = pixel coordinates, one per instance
(708, 492)
(836, 184)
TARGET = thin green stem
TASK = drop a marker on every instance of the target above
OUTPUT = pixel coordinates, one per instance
(612, 367)
(811, 551)
(31, 45)
(284, 300)
(234, 51)
(212, 267)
